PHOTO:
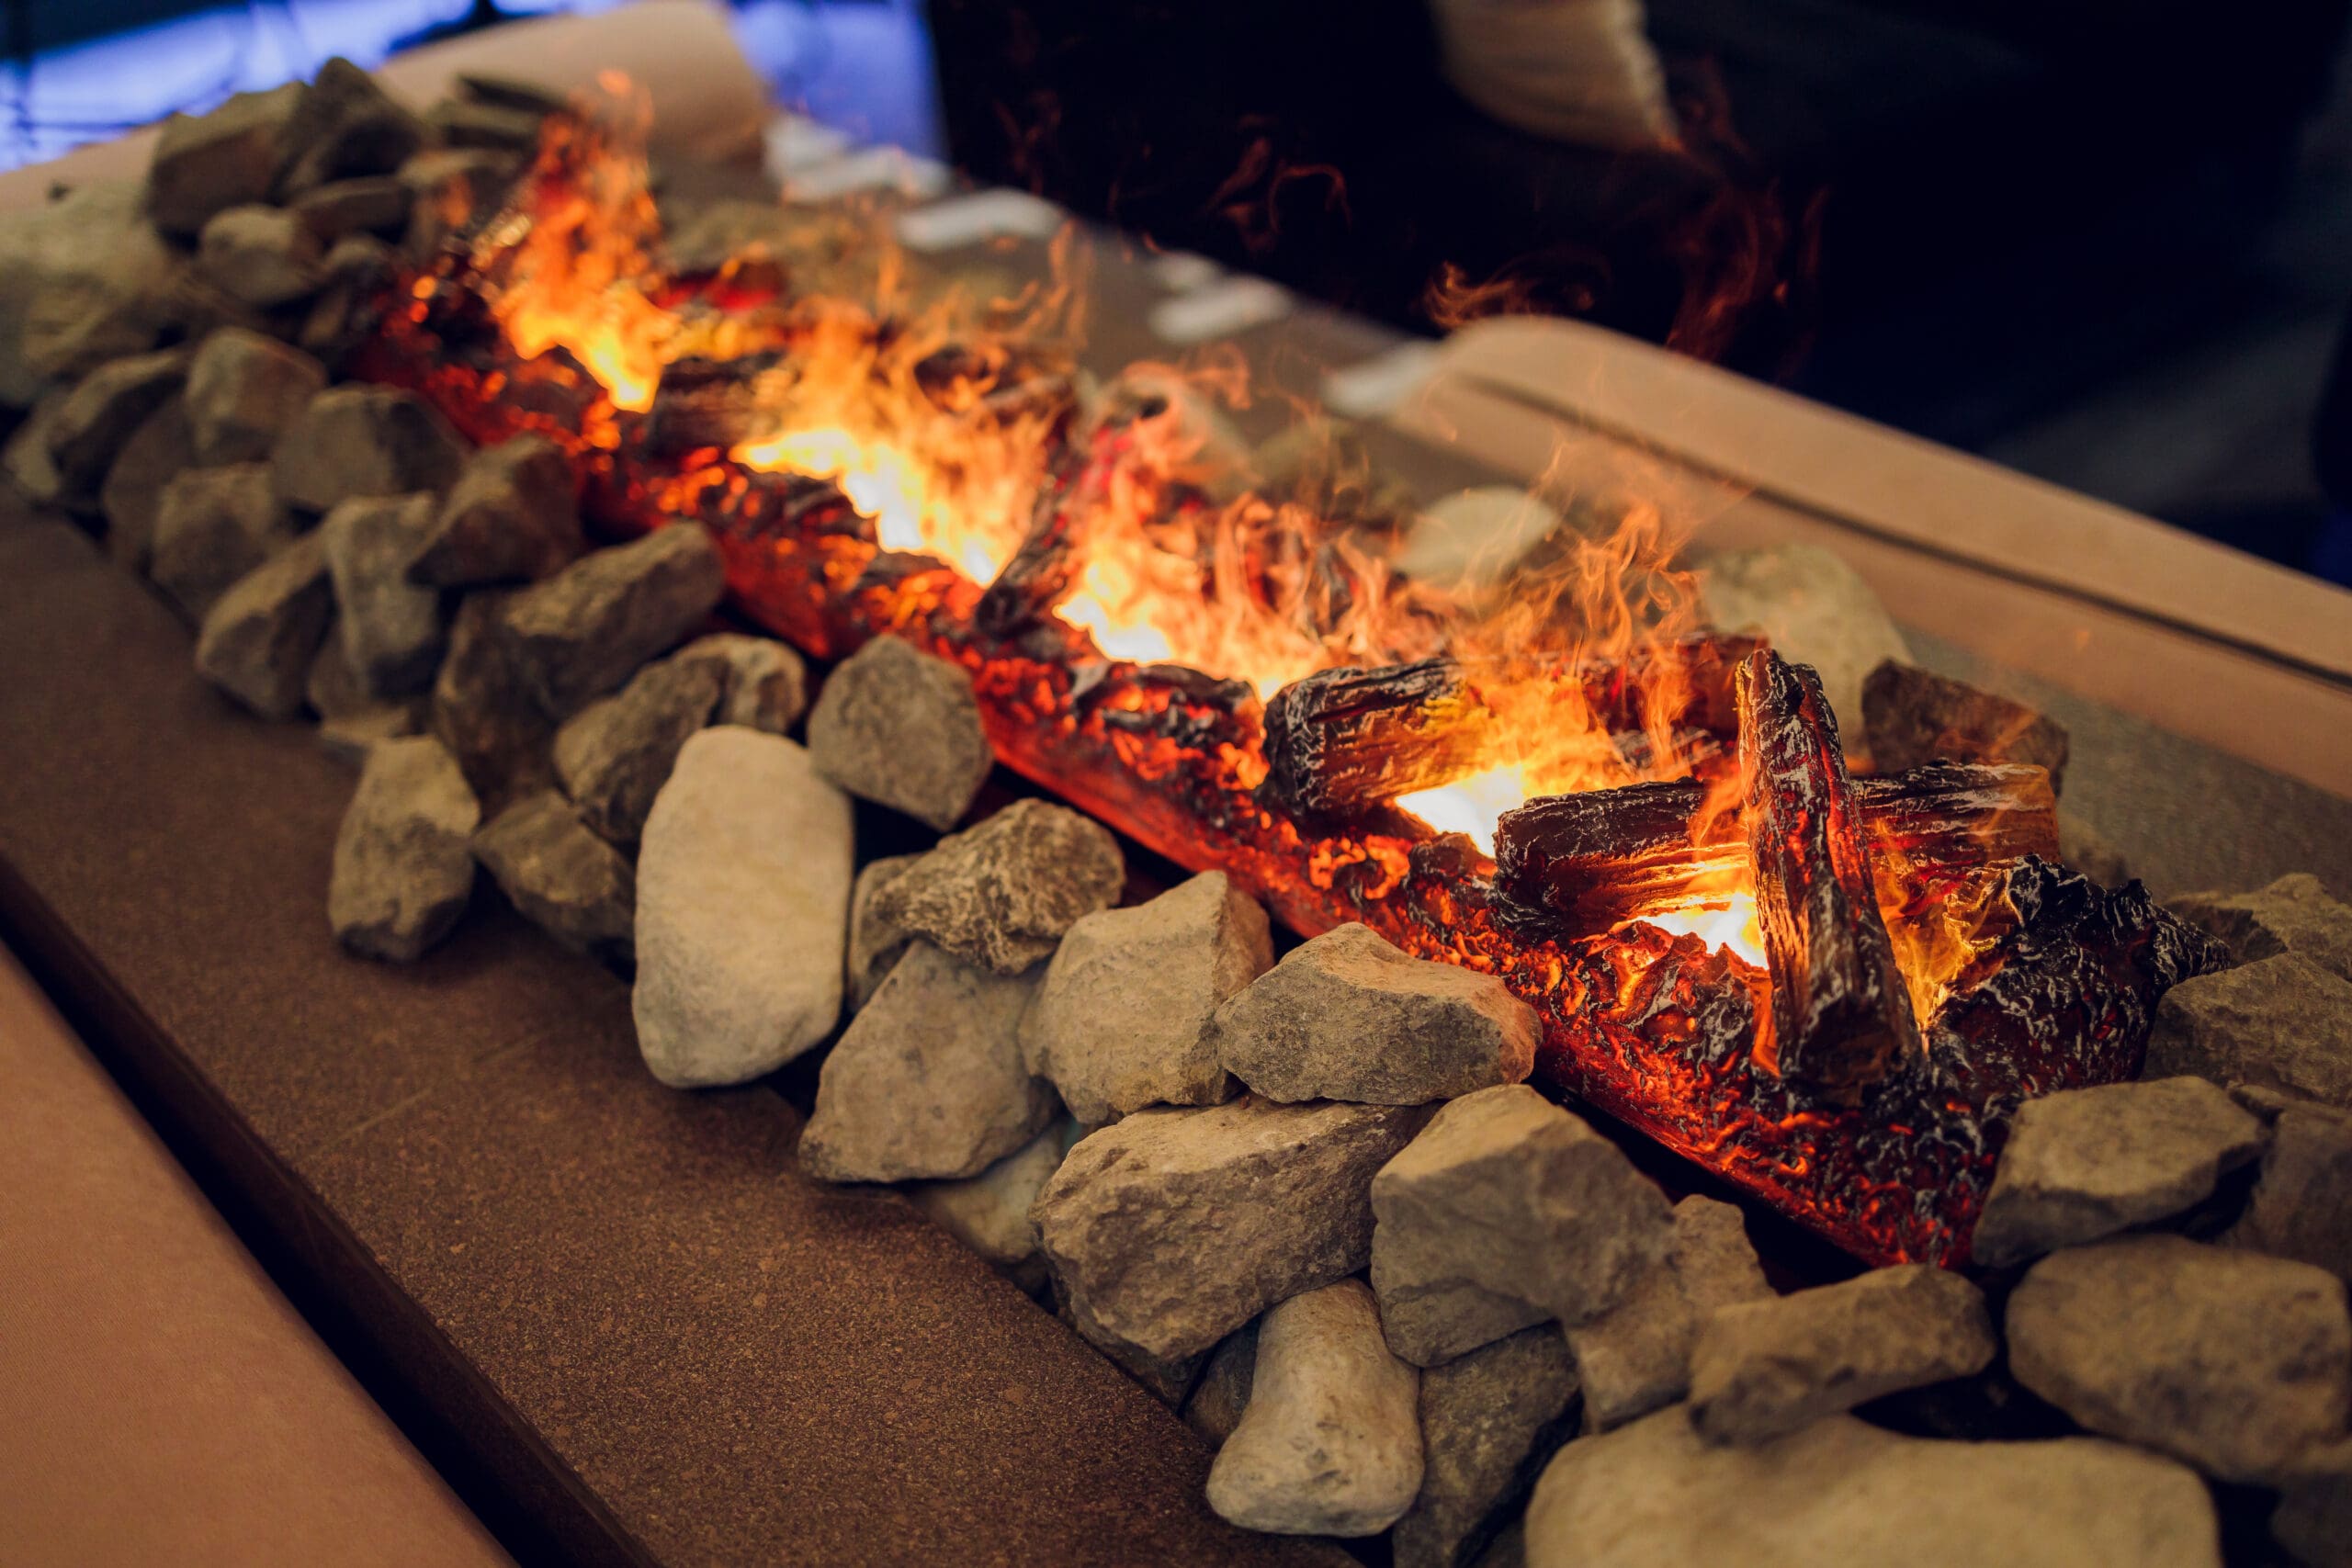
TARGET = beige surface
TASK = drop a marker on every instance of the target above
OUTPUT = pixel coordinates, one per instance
(160, 1401)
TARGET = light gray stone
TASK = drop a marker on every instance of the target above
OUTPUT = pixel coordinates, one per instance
(2087, 1163)
(513, 515)
(243, 388)
(259, 638)
(2090, 851)
(333, 688)
(357, 268)
(900, 728)
(27, 457)
(1001, 893)
(89, 426)
(1217, 1401)
(614, 755)
(87, 280)
(765, 684)
(364, 441)
(2313, 1519)
(990, 1212)
(2281, 1022)
(583, 631)
(455, 122)
(1169, 1230)
(403, 867)
(743, 898)
(351, 738)
(1330, 1443)
(1490, 1420)
(561, 877)
(1762, 1368)
(204, 163)
(151, 457)
(1122, 1018)
(2293, 914)
(373, 204)
(1658, 1496)
(875, 944)
(1636, 1357)
(927, 1082)
(2299, 1208)
(262, 256)
(393, 631)
(344, 126)
(1506, 1211)
(1352, 1016)
(212, 526)
(483, 710)
(1817, 610)
(2230, 1360)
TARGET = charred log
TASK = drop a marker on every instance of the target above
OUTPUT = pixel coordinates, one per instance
(1342, 739)
(1842, 1016)
(1912, 716)
(711, 403)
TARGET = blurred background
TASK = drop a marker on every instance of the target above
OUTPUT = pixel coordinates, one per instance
(2108, 242)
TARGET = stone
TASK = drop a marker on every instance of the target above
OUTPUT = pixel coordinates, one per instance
(1001, 893)
(375, 204)
(392, 632)
(583, 631)
(1330, 1443)
(1762, 1368)
(1636, 1357)
(765, 684)
(2313, 1519)
(27, 457)
(902, 728)
(561, 877)
(2293, 915)
(743, 898)
(456, 123)
(927, 1082)
(259, 638)
(344, 126)
(1912, 716)
(1817, 610)
(350, 737)
(1172, 1228)
(365, 440)
(262, 256)
(333, 688)
(1506, 1211)
(404, 860)
(1490, 1421)
(1842, 1491)
(2298, 1207)
(2087, 1163)
(1475, 541)
(88, 427)
(1218, 1400)
(212, 526)
(513, 515)
(203, 164)
(87, 280)
(2282, 1022)
(2230, 1361)
(614, 755)
(2087, 849)
(357, 267)
(876, 944)
(512, 92)
(1122, 1018)
(151, 457)
(990, 1212)
(484, 710)
(1352, 1016)
(243, 388)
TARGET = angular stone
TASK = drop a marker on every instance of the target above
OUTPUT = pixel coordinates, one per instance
(927, 1082)
(341, 318)
(1912, 716)
(343, 127)
(990, 1212)
(229, 157)
(27, 457)
(350, 737)
(1003, 892)
(257, 642)
(151, 457)
(2293, 914)
(1637, 1357)
(392, 632)
(1221, 1396)
(1506, 1211)
(375, 204)
(87, 280)
(1842, 1491)
(513, 514)
(2230, 1360)
(1122, 1018)
(2313, 1519)
(2280, 1022)
(2087, 849)
(902, 728)
(403, 867)
(1817, 610)
(742, 897)
(583, 631)
(765, 683)
(483, 710)
(1762, 1368)
(456, 123)
(212, 526)
(561, 877)
(1352, 1016)
(89, 426)
(512, 92)
(1490, 1421)
(2087, 1163)
(243, 388)
(333, 688)
(2299, 1206)
(365, 440)
(614, 755)
(263, 256)
(1171, 1229)
(875, 944)
(1330, 1443)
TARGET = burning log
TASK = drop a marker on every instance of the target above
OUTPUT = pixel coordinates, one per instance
(1842, 1016)
(710, 403)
